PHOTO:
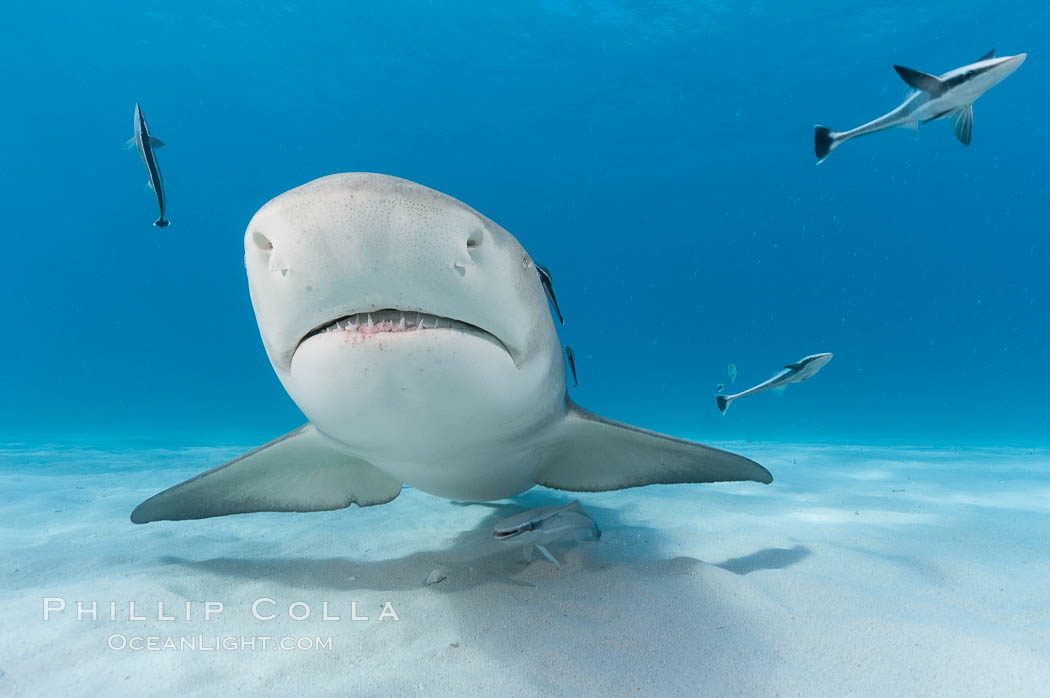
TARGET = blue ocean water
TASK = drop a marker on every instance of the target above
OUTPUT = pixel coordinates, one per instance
(656, 156)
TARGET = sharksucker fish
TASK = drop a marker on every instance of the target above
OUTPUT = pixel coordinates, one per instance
(147, 145)
(572, 364)
(548, 287)
(936, 97)
(546, 525)
(804, 369)
(412, 334)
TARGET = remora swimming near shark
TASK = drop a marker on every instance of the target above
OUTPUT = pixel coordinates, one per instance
(543, 526)
(950, 95)
(415, 336)
(804, 369)
(146, 145)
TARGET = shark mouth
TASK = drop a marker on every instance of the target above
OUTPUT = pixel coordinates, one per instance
(396, 322)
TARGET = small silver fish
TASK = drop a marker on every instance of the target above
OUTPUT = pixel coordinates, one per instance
(572, 364)
(548, 288)
(539, 527)
(146, 145)
(731, 369)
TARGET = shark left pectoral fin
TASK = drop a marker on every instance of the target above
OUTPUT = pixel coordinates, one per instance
(962, 123)
(129, 144)
(299, 471)
(594, 454)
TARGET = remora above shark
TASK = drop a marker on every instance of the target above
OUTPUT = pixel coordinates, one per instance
(146, 145)
(804, 369)
(936, 97)
(414, 334)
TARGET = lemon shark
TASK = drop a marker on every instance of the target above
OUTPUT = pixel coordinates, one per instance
(414, 334)
(950, 95)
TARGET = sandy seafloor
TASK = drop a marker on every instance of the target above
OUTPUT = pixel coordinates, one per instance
(860, 571)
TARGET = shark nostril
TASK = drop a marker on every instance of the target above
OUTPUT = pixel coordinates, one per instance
(474, 242)
(262, 242)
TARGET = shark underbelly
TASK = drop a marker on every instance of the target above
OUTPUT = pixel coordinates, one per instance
(483, 475)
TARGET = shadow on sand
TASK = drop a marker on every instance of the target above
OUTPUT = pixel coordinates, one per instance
(766, 559)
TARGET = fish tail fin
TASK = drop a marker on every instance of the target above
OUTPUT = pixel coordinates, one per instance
(723, 403)
(824, 141)
(162, 222)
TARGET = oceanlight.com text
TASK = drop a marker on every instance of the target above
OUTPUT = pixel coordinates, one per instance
(217, 643)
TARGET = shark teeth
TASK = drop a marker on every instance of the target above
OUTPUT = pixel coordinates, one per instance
(389, 321)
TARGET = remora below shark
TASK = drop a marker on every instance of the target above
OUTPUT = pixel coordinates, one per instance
(936, 97)
(804, 369)
(543, 526)
(414, 334)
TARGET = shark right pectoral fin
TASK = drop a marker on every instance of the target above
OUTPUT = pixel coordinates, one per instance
(299, 471)
(594, 454)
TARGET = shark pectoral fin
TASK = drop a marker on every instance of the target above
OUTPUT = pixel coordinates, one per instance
(962, 123)
(156, 142)
(594, 454)
(129, 144)
(779, 390)
(920, 81)
(300, 471)
(912, 127)
(148, 188)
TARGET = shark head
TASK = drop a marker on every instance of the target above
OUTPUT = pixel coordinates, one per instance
(396, 316)
(977, 78)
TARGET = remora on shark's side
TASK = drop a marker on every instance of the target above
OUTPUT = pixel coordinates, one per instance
(146, 145)
(543, 526)
(950, 95)
(414, 335)
(804, 369)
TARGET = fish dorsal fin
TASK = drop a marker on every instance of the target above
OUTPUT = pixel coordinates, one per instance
(990, 54)
(921, 81)
(962, 120)
(156, 142)
(795, 366)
